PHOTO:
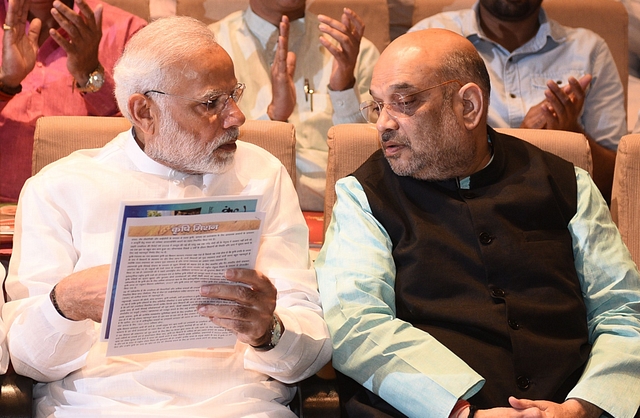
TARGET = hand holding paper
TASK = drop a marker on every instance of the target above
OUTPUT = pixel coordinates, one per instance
(255, 300)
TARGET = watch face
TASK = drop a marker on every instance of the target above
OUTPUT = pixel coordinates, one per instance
(96, 80)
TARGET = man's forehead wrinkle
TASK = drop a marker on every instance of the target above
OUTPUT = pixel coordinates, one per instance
(396, 87)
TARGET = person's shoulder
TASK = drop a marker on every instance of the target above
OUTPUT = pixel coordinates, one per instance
(83, 161)
(571, 34)
(255, 158)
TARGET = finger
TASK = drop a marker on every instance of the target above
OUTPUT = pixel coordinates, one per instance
(87, 13)
(249, 277)
(34, 31)
(69, 20)
(232, 312)
(354, 21)
(557, 99)
(336, 30)
(585, 80)
(98, 16)
(291, 64)
(61, 41)
(520, 403)
(65, 24)
(284, 27)
(331, 47)
(244, 295)
(577, 91)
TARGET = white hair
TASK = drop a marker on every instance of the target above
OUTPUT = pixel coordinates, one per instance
(161, 45)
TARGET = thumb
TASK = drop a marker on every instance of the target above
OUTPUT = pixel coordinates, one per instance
(520, 403)
(34, 31)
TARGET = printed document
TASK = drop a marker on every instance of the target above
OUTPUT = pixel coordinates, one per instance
(166, 251)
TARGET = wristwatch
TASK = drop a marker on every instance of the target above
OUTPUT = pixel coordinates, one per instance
(276, 332)
(95, 81)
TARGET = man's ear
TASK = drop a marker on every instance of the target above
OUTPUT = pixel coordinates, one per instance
(473, 105)
(141, 113)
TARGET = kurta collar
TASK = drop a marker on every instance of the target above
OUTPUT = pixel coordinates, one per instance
(264, 30)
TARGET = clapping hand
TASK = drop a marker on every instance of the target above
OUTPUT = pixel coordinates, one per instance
(348, 34)
(19, 49)
(82, 40)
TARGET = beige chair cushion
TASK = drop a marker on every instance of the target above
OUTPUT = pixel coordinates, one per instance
(136, 7)
(571, 146)
(351, 144)
(625, 195)
(607, 18)
(58, 136)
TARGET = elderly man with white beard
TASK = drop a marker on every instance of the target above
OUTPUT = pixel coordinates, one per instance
(178, 88)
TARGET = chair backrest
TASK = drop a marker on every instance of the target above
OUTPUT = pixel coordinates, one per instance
(375, 13)
(571, 146)
(59, 136)
(607, 18)
(139, 8)
(351, 144)
(625, 195)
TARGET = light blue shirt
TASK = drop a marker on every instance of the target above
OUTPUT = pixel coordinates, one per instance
(518, 78)
(422, 378)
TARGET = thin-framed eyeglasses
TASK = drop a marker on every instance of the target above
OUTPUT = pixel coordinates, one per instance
(214, 104)
(400, 105)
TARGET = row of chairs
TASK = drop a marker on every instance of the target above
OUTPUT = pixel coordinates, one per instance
(349, 146)
(608, 18)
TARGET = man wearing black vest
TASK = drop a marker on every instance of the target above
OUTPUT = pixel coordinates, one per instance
(467, 273)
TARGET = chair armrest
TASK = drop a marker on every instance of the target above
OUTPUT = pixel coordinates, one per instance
(16, 395)
(316, 398)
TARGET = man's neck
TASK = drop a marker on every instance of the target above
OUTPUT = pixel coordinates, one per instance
(511, 35)
(272, 15)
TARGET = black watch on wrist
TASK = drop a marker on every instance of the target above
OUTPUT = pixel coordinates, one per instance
(276, 332)
(10, 91)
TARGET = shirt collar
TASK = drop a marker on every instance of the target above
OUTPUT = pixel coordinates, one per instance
(549, 31)
(264, 30)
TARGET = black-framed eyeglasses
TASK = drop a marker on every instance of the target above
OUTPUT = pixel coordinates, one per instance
(214, 104)
(399, 106)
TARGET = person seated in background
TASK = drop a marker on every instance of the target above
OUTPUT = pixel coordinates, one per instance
(57, 59)
(466, 272)
(177, 87)
(545, 75)
(309, 70)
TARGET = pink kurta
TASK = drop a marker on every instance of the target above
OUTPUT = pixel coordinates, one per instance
(48, 90)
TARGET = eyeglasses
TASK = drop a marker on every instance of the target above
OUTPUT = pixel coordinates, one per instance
(214, 104)
(400, 106)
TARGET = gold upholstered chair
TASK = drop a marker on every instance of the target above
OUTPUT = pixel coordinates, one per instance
(625, 195)
(58, 136)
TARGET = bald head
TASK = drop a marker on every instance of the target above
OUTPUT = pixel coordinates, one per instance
(431, 96)
(437, 55)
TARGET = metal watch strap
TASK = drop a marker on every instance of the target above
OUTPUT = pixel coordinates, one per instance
(276, 333)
